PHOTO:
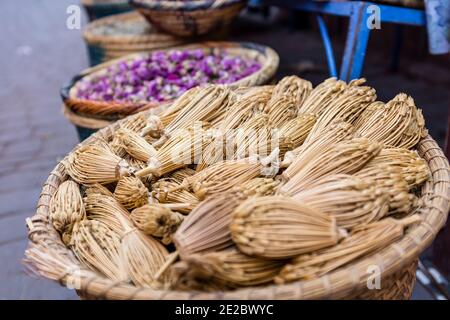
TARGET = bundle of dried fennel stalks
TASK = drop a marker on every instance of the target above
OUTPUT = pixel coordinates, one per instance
(232, 188)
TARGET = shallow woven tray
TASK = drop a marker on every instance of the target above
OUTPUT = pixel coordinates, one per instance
(189, 18)
(104, 47)
(397, 261)
(112, 111)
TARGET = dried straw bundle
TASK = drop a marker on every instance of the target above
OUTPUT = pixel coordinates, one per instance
(294, 87)
(98, 247)
(322, 95)
(414, 169)
(281, 110)
(278, 227)
(296, 130)
(336, 132)
(259, 186)
(66, 208)
(399, 123)
(142, 256)
(253, 137)
(206, 104)
(179, 104)
(157, 220)
(131, 192)
(232, 268)
(161, 191)
(96, 163)
(207, 227)
(246, 107)
(390, 180)
(347, 106)
(352, 201)
(344, 157)
(179, 151)
(225, 175)
(135, 124)
(135, 145)
(361, 242)
(178, 176)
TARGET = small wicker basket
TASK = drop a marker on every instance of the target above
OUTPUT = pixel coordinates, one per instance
(116, 36)
(189, 18)
(92, 115)
(96, 9)
(397, 261)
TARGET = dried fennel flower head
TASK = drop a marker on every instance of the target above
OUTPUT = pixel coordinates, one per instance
(167, 191)
(352, 201)
(399, 123)
(131, 192)
(336, 132)
(278, 227)
(294, 87)
(233, 268)
(390, 180)
(66, 208)
(347, 106)
(344, 157)
(363, 241)
(322, 95)
(178, 151)
(297, 129)
(96, 163)
(98, 247)
(207, 227)
(135, 145)
(225, 175)
(157, 220)
(414, 169)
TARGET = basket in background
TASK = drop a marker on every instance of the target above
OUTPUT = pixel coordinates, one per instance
(91, 115)
(118, 35)
(189, 18)
(96, 9)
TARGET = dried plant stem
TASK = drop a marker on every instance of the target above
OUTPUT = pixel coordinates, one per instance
(157, 220)
(294, 87)
(135, 145)
(399, 123)
(361, 242)
(93, 163)
(66, 208)
(278, 227)
(350, 200)
(344, 157)
(131, 192)
(161, 192)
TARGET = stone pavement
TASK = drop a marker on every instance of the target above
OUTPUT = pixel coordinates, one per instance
(39, 54)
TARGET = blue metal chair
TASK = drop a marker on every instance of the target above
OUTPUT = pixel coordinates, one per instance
(358, 30)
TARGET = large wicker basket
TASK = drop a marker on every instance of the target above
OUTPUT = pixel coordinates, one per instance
(103, 47)
(96, 9)
(93, 115)
(189, 18)
(397, 262)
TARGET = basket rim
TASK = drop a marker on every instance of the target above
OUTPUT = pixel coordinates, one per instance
(185, 6)
(114, 110)
(108, 39)
(336, 284)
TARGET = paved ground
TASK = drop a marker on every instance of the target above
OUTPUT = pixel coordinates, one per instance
(39, 54)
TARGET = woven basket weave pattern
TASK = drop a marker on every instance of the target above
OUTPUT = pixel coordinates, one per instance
(189, 18)
(397, 261)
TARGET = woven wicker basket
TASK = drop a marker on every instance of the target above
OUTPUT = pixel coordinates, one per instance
(96, 9)
(103, 47)
(189, 18)
(398, 261)
(95, 114)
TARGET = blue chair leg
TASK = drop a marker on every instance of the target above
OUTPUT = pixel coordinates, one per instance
(356, 43)
(328, 46)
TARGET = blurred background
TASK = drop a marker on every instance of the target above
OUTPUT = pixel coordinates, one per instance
(39, 54)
